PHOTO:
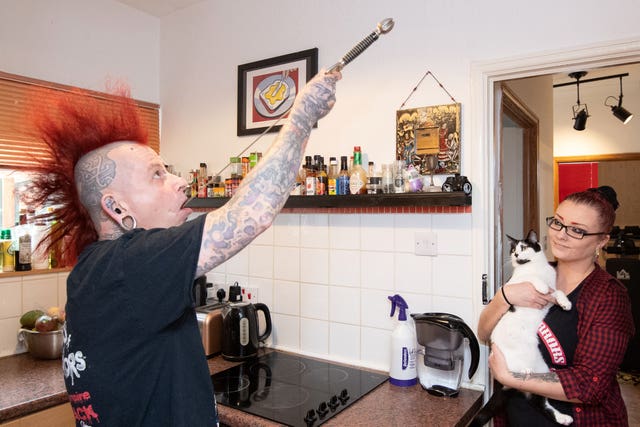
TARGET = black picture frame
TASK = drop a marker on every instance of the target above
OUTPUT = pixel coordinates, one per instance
(267, 89)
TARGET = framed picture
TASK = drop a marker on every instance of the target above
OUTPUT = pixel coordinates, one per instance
(267, 89)
(429, 131)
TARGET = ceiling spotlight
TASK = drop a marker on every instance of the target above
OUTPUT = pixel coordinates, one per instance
(619, 111)
(580, 111)
(580, 118)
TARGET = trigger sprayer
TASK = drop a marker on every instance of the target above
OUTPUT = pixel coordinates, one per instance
(402, 371)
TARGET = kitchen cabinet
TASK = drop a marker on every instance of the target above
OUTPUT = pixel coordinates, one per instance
(56, 416)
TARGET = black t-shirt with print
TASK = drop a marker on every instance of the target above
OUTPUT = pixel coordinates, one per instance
(132, 353)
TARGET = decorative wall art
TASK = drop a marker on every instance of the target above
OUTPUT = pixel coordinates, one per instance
(267, 89)
(425, 131)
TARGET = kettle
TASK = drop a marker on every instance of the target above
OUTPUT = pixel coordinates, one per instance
(240, 337)
(440, 367)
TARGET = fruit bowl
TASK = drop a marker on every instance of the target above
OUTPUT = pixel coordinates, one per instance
(42, 345)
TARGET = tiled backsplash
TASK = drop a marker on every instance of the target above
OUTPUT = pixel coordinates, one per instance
(19, 294)
(326, 278)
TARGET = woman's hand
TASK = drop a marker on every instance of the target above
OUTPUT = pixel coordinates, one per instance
(525, 295)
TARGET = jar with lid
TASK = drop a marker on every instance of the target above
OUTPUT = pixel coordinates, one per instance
(236, 167)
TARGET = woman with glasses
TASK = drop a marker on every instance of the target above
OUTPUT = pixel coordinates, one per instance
(585, 345)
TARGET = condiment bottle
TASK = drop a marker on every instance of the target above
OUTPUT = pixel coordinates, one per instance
(332, 179)
(358, 178)
(8, 260)
(321, 178)
(343, 178)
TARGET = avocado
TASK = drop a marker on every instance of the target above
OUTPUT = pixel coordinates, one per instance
(28, 319)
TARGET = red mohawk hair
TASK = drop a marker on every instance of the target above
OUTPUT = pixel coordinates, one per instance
(72, 125)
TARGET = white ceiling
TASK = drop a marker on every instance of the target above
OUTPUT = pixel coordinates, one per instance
(159, 8)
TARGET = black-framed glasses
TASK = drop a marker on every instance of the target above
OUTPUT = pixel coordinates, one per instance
(575, 232)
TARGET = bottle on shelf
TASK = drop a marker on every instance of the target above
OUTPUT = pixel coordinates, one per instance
(343, 178)
(321, 178)
(310, 180)
(358, 178)
(332, 177)
(387, 178)
(398, 177)
(8, 256)
(23, 254)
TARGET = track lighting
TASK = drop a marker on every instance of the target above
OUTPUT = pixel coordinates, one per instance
(619, 111)
(580, 111)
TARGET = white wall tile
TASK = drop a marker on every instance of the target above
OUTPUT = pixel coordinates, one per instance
(286, 230)
(453, 233)
(377, 270)
(266, 238)
(375, 309)
(376, 232)
(314, 231)
(419, 303)
(314, 265)
(39, 292)
(452, 276)
(239, 263)
(286, 263)
(286, 298)
(10, 299)
(314, 336)
(261, 261)
(344, 341)
(406, 226)
(376, 344)
(62, 288)
(9, 336)
(344, 268)
(286, 331)
(344, 305)
(461, 307)
(413, 273)
(344, 231)
(314, 301)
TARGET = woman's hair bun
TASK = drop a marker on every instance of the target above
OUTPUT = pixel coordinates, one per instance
(609, 194)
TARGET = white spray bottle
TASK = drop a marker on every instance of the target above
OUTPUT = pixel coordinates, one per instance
(402, 371)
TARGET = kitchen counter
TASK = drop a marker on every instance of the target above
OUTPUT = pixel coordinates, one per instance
(30, 385)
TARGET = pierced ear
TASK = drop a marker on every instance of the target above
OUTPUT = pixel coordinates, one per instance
(111, 208)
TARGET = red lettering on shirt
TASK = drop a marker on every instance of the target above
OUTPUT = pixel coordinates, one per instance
(85, 413)
(553, 345)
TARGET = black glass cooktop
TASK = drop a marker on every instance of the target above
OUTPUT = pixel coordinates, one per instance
(292, 390)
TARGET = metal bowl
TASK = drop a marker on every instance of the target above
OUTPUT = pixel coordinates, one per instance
(42, 345)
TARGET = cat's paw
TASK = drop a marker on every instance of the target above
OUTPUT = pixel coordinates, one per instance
(563, 419)
(562, 300)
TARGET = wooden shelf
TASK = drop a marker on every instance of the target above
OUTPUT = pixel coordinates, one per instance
(456, 198)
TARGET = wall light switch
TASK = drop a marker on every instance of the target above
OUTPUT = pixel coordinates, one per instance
(426, 243)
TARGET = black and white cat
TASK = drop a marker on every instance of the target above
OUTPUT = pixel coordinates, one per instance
(516, 334)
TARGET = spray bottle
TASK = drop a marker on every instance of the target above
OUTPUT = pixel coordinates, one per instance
(403, 347)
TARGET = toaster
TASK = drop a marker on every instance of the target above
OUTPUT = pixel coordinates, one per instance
(210, 325)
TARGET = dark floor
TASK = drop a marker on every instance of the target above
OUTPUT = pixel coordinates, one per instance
(631, 396)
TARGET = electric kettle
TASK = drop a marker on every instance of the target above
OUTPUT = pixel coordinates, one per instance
(240, 337)
(441, 358)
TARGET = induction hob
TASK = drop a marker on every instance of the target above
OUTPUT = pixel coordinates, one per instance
(291, 389)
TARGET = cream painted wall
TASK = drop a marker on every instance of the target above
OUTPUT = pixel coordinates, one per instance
(81, 43)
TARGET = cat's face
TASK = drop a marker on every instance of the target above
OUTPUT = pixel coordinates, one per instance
(522, 251)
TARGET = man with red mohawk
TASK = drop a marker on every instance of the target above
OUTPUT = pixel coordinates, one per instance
(132, 352)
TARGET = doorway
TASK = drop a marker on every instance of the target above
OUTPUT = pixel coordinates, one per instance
(518, 142)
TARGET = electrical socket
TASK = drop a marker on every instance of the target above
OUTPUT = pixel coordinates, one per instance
(426, 243)
(250, 294)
